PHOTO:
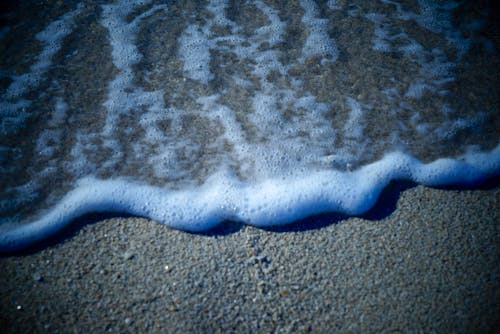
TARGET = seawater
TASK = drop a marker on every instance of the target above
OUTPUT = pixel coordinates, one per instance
(264, 112)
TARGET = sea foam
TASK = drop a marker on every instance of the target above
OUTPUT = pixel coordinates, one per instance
(268, 203)
(254, 112)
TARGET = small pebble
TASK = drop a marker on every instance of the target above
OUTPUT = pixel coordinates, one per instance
(128, 321)
(38, 277)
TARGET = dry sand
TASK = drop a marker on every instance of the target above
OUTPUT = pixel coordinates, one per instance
(427, 262)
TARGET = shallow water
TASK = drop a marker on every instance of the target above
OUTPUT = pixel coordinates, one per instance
(193, 112)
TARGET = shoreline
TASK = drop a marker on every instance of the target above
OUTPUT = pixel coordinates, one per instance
(429, 264)
(264, 204)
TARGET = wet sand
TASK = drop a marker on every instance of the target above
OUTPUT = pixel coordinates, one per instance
(424, 260)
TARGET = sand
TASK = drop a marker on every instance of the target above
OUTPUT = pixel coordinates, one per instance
(424, 260)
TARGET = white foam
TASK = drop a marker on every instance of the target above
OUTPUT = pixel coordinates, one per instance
(50, 138)
(194, 48)
(383, 39)
(318, 42)
(283, 143)
(12, 105)
(218, 9)
(435, 70)
(272, 33)
(80, 164)
(433, 74)
(353, 127)
(13, 115)
(273, 201)
(333, 5)
(279, 137)
(48, 141)
(282, 147)
(123, 96)
(450, 128)
(197, 41)
(436, 17)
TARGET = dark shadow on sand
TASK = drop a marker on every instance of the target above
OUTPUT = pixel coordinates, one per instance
(487, 184)
(225, 228)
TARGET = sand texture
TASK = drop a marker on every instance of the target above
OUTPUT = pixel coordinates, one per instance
(424, 260)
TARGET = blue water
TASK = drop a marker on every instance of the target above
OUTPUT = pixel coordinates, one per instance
(264, 112)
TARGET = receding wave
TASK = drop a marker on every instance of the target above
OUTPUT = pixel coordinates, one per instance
(262, 112)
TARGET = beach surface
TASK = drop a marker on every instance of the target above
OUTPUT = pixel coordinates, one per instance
(423, 260)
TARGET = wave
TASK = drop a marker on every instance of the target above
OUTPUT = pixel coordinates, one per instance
(268, 203)
(261, 112)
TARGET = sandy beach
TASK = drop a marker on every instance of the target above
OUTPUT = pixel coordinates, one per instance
(424, 260)
(189, 111)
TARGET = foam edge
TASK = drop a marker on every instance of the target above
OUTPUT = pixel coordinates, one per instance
(268, 203)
